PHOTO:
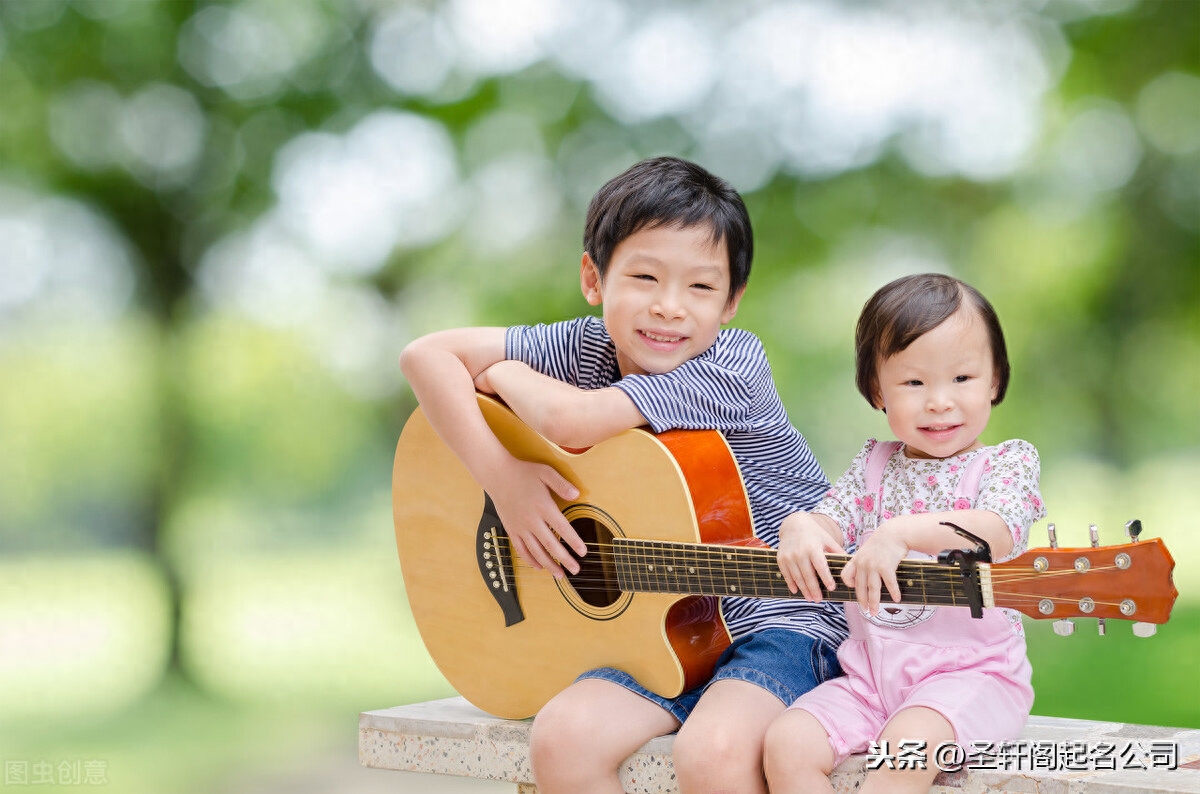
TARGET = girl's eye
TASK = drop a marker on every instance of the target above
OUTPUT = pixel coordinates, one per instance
(962, 378)
(913, 383)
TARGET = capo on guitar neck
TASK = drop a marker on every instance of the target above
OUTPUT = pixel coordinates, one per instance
(967, 560)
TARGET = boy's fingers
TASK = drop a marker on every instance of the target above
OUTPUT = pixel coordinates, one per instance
(560, 484)
(562, 530)
(549, 537)
(523, 551)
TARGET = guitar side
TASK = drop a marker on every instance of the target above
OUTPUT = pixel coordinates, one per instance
(635, 483)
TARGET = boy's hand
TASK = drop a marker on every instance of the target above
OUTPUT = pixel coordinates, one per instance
(804, 540)
(483, 383)
(874, 566)
(537, 529)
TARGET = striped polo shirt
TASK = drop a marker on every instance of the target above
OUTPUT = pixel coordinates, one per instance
(728, 388)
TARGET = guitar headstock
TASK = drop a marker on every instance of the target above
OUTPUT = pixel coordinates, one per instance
(1130, 581)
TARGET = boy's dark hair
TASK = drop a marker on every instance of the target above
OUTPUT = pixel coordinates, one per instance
(668, 191)
(908, 307)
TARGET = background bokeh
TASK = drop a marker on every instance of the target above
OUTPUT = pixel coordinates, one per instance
(221, 221)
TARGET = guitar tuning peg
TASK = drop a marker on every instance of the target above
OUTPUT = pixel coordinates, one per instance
(1143, 629)
(1101, 627)
(1094, 534)
(1053, 536)
(1064, 627)
(1133, 529)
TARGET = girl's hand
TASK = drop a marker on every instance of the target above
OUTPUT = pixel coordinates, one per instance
(873, 567)
(804, 540)
(523, 493)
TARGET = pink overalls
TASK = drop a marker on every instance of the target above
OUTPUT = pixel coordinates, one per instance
(974, 672)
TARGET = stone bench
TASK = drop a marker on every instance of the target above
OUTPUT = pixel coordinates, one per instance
(1054, 756)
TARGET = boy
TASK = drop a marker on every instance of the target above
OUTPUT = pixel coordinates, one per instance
(667, 252)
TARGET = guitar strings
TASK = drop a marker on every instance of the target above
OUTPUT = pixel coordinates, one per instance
(756, 561)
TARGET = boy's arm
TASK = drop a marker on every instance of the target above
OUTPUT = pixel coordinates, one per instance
(565, 414)
(441, 368)
(873, 566)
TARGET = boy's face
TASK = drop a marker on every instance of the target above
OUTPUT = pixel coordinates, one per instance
(665, 296)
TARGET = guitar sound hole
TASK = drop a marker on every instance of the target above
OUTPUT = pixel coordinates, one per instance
(596, 582)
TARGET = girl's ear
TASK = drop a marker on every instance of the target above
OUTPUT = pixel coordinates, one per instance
(589, 280)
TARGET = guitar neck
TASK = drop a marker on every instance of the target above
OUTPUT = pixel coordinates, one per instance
(648, 566)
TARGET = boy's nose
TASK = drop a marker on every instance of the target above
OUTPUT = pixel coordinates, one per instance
(668, 306)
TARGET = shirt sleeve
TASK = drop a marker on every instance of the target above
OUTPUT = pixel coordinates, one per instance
(572, 351)
(847, 500)
(717, 390)
(1011, 488)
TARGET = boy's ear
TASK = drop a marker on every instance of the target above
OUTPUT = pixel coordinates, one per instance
(732, 307)
(589, 280)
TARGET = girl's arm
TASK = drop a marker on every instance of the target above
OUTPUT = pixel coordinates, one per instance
(565, 414)
(441, 368)
(804, 540)
(873, 566)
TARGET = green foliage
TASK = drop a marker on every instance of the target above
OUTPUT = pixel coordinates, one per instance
(233, 421)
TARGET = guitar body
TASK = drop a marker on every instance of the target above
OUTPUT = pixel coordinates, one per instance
(509, 660)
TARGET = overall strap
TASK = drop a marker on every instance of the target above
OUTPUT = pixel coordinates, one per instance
(968, 484)
(877, 460)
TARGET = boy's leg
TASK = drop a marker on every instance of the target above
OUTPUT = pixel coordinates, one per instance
(581, 737)
(798, 756)
(720, 747)
(907, 725)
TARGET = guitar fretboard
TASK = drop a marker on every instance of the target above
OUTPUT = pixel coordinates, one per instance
(650, 566)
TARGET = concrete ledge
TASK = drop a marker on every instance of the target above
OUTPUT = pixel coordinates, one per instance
(452, 737)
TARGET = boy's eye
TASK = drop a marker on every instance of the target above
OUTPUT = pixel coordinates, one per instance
(643, 276)
(708, 287)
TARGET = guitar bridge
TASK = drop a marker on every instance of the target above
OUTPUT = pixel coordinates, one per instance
(494, 554)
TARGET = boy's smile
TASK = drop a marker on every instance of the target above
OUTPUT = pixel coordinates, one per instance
(665, 296)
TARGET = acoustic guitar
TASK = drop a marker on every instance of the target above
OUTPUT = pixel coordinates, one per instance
(668, 529)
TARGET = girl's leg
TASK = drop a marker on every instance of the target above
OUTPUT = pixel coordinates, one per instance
(581, 737)
(798, 756)
(720, 747)
(907, 725)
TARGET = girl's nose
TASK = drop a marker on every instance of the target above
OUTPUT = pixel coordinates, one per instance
(939, 400)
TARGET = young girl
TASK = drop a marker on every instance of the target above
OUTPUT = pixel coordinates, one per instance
(930, 354)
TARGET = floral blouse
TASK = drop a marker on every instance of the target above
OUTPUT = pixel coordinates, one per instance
(1009, 486)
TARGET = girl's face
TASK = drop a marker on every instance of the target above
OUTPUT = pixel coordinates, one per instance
(938, 391)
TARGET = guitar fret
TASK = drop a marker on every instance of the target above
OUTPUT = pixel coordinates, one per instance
(673, 567)
(712, 569)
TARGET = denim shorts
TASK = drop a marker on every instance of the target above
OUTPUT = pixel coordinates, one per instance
(785, 663)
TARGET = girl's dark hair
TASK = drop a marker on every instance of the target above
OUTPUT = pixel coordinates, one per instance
(908, 307)
(668, 191)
